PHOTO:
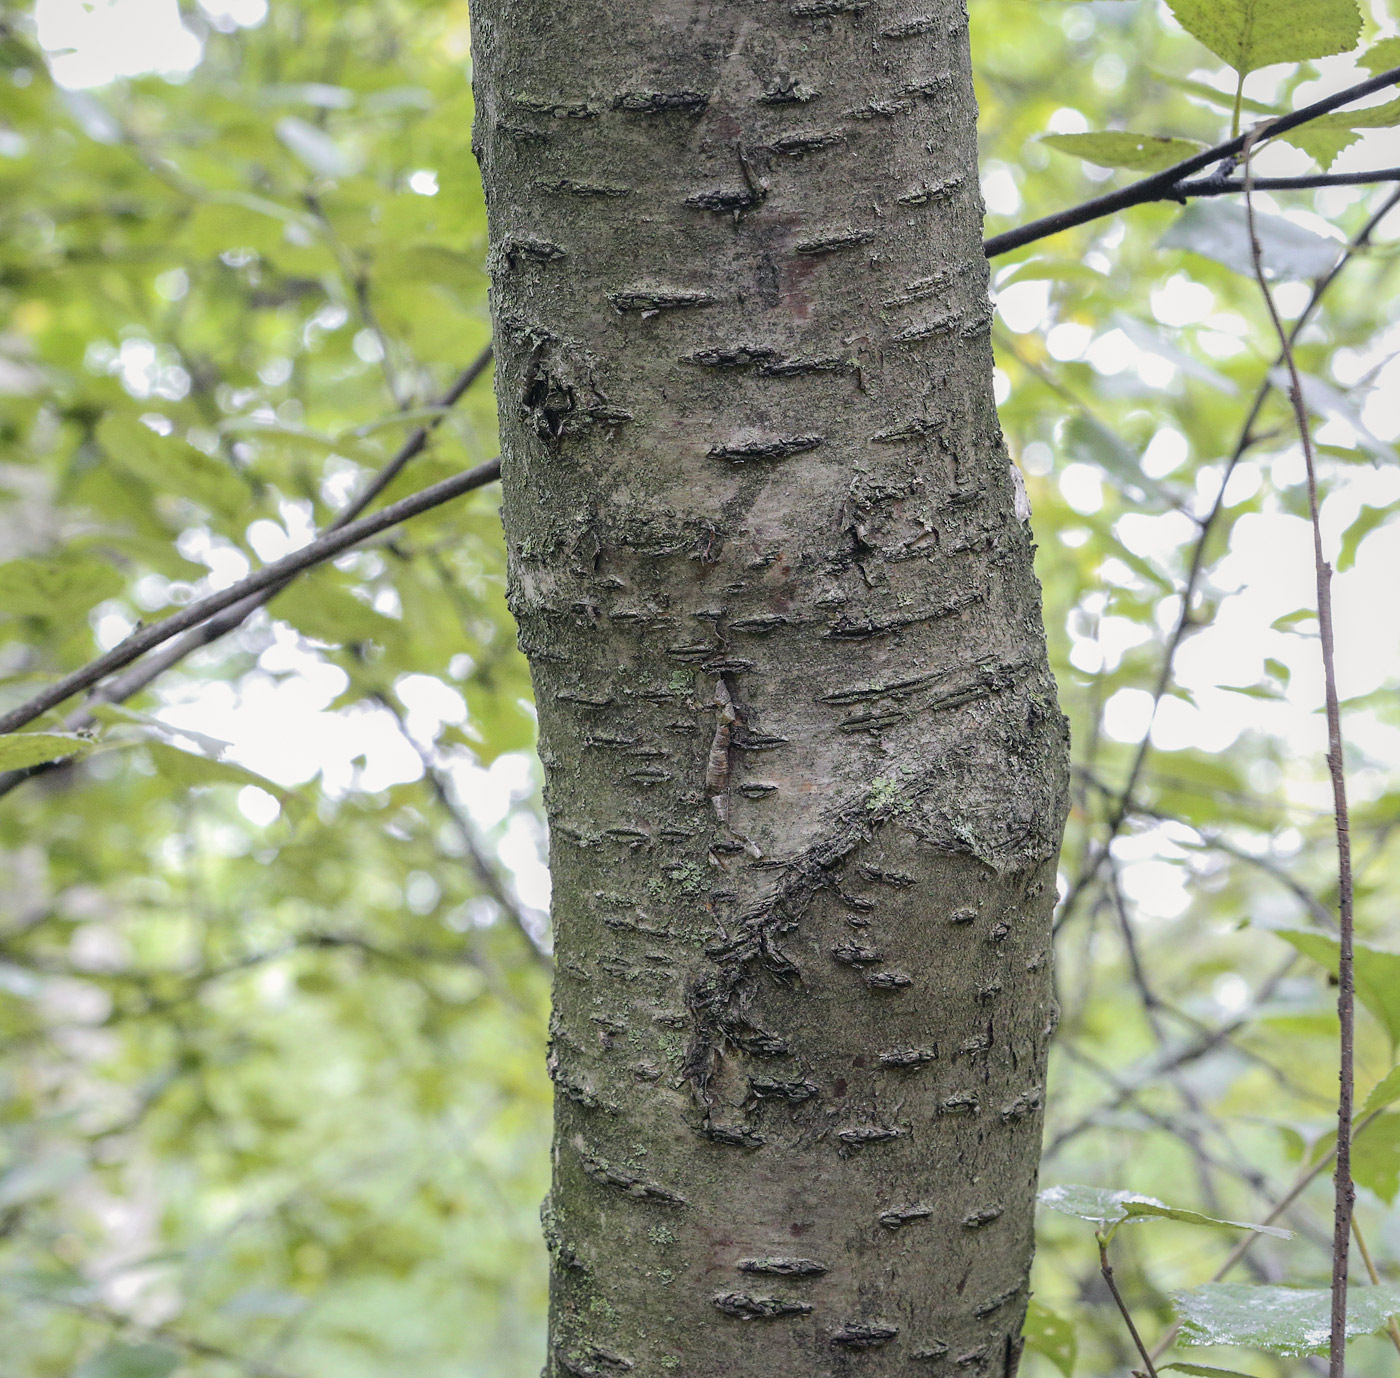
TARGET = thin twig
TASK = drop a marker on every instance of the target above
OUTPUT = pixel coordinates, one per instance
(190, 1344)
(1345, 1194)
(416, 442)
(1215, 842)
(1314, 181)
(1167, 184)
(323, 548)
(1163, 1066)
(486, 871)
(1107, 1272)
(1207, 524)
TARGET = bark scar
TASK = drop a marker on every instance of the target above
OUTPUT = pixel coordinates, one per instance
(717, 765)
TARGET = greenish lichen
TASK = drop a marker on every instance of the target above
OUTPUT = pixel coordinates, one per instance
(887, 795)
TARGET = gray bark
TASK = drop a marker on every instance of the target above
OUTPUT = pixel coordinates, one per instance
(804, 765)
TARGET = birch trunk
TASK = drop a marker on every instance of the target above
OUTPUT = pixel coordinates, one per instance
(805, 772)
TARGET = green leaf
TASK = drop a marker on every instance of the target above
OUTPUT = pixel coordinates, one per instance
(120, 1360)
(325, 610)
(1368, 520)
(1380, 57)
(1104, 1207)
(1377, 973)
(1136, 152)
(190, 770)
(1220, 230)
(1052, 1335)
(1249, 34)
(56, 589)
(1375, 1158)
(300, 438)
(1385, 1092)
(314, 148)
(1321, 142)
(171, 465)
(21, 750)
(1150, 341)
(1282, 1320)
(1088, 439)
(1326, 136)
(1326, 400)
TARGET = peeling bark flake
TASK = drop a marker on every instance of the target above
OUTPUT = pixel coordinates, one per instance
(746, 1308)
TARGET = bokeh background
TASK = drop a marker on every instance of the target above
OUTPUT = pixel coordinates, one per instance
(274, 953)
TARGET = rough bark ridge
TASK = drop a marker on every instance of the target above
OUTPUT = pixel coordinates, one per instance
(805, 767)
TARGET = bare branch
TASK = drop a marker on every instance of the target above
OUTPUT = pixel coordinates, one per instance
(1345, 1194)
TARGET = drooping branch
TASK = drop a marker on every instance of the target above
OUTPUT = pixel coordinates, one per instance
(486, 868)
(323, 548)
(415, 444)
(1174, 183)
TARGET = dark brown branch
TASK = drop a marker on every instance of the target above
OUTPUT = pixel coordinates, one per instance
(323, 548)
(1345, 1189)
(1167, 185)
(1314, 181)
(414, 445)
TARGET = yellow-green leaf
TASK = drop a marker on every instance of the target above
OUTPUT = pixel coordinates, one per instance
(64, 587)
(1136, 152)
(1050, 1334)
(1385, 1092)
(171, 465)
(1326, 136)
(1249, 34)
(1377, 973)
(1380, 57)
(21, 750)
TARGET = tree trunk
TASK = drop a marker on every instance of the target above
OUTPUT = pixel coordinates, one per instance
(804, 765)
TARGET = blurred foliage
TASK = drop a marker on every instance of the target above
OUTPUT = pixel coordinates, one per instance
(273, 1097)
